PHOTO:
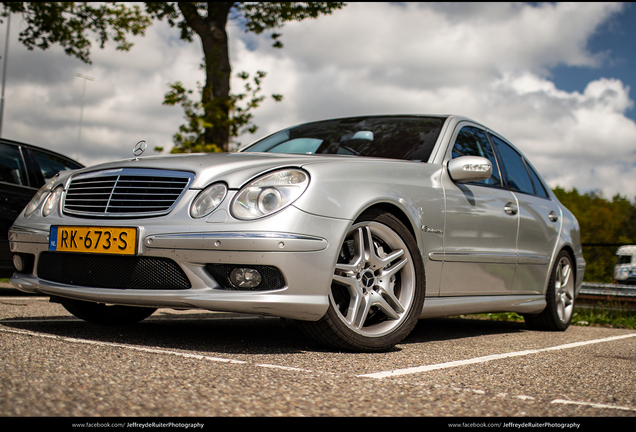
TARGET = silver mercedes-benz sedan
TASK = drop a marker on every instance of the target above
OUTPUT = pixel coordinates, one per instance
(355, 227)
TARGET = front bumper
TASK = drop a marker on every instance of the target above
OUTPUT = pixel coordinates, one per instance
(305, 261)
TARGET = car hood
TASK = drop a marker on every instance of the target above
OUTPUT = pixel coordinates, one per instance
(233, 168)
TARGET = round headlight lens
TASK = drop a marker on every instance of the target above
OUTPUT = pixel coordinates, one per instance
(35, 202)
(269, 200)
(208, 200)
(269, 194)
(39, 197)
(51, 201)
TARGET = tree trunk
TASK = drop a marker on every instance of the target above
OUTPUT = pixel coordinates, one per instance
(216, 92)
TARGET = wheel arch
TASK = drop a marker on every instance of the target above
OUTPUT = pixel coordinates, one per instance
(402, 216)
(395, 211)
(341, 326)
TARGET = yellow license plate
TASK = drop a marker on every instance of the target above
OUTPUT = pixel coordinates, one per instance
(121, 241)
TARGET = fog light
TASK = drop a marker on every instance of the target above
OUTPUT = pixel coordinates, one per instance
(245, 278)
(18, 263)
(23, 263)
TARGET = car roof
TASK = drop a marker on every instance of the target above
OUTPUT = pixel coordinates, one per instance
(626, 250)
(22, 144)
(369, 116)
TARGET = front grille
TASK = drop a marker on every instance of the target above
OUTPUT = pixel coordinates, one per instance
(117, 272)
(125, 192)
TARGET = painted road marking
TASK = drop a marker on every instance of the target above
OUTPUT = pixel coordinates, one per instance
(484, 359)
(117, 345)
(153, 350)
(377, 375)
(593, 405)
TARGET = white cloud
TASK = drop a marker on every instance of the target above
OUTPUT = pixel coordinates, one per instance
(489, 61)
(122, 102)
(574, 140)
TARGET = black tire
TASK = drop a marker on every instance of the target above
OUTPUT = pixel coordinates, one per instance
(378, 288)
(558, 313)
(98, 313)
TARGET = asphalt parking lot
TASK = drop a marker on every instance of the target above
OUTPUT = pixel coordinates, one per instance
(202, 364)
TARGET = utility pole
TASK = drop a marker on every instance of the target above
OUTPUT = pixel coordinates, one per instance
(4, 70)
(79, 135)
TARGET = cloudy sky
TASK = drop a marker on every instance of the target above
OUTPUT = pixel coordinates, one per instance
(554, 79)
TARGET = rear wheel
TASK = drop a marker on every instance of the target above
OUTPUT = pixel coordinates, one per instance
(98, 313)
(559, 298)
(378, 288)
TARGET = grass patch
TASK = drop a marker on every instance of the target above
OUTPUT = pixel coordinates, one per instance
(600, 315)
(500, 316)
(605, 317)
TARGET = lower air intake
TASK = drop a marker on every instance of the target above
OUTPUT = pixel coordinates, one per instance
(116, 272)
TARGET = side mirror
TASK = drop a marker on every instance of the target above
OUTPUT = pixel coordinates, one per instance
(469, 168)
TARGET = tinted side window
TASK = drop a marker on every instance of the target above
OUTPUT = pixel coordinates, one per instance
(12, 166)
(515, 168)
(472, 141)
(539, 190)
(51, 164)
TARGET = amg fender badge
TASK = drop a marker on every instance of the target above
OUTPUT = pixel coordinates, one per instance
(431, 230)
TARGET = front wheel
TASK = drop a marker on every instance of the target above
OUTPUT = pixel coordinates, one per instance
(378, 288)
(559, 298)
(98, 313)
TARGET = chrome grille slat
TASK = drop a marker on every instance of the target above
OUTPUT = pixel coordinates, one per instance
(129, 193)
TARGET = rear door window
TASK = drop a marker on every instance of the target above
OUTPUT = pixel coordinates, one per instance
(12, 165)
(516, 172)
(51, 164)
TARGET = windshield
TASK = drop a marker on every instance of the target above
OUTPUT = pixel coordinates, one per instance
(395, 137)
(624, 259)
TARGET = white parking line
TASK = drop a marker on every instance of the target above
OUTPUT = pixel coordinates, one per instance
(152, 350)
(130, 347)
(374, 375)
(484, 359)
(593, 405)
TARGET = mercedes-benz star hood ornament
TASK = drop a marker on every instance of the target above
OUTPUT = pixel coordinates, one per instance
(140, 147)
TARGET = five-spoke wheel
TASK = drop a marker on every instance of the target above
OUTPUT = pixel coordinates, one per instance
(378, 288)
(559, 298)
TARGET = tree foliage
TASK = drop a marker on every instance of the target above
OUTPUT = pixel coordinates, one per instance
(190, 137)
(70, 25)
(605, 224)
(219, 116)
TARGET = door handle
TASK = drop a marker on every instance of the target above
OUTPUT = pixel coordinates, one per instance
(553, 216)
(511, 208)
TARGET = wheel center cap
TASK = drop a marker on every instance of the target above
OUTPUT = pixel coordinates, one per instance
(368, 279)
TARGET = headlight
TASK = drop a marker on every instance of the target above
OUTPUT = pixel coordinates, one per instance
(208, 200)
(51, 201)
(269, 194)
(39, 197)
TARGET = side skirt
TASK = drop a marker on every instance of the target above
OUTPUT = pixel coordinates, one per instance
(436, 307)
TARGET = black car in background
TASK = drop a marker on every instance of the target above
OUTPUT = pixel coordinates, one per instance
(24, 169)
